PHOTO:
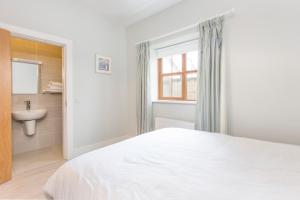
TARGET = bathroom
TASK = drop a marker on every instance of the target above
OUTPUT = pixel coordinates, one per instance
(37, 104)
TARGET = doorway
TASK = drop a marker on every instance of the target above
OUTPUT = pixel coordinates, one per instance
(37, 89)
(67, 105)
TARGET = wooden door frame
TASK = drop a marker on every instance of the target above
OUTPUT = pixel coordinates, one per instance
(67, 73)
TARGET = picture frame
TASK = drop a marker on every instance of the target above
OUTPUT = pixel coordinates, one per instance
(103, 64)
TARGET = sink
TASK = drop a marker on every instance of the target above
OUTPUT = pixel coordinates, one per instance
(29, 118)
(27, 115)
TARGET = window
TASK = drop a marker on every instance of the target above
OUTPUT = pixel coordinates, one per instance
(177, 76)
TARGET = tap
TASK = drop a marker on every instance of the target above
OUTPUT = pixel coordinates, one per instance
(28, 106)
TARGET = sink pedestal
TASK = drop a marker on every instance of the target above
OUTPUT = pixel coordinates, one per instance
(30, 127)
(29, 118)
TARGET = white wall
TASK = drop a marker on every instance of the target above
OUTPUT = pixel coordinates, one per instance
(100, 101)
(263, 68)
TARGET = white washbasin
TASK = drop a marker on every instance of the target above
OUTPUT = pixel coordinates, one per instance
(29, 118)
(28, 115)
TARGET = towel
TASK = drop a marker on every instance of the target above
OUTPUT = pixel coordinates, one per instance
(55, 85)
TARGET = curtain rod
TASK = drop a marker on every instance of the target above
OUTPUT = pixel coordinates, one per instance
(178, 43)
(227, 13)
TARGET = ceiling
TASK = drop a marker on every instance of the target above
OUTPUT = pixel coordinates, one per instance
(128, 12)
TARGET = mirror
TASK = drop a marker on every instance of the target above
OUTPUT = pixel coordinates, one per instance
(25, 78)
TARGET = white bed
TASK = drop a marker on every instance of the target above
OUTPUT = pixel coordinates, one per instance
(179, 164)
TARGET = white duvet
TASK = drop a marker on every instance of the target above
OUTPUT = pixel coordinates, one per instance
(179, 164)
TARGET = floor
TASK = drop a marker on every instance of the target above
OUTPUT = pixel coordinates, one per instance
(31, 171)
(35, 159)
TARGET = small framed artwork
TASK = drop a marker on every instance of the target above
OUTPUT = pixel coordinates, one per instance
(103, 64)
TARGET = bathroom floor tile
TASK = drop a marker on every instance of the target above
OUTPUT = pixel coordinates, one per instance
(35, 159)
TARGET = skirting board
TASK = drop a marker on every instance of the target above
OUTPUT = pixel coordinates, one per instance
(84, 149)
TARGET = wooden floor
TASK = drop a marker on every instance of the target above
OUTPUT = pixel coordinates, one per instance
(29, 184)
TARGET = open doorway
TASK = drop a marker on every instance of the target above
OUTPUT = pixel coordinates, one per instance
(37, 104)
(66, 96)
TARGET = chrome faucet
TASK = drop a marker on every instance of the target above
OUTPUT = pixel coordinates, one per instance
(28, 106)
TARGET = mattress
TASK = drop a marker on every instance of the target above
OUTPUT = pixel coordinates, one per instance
(179, 164)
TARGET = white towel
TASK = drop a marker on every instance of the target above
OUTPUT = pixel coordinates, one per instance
(54, 87)
(53, 83)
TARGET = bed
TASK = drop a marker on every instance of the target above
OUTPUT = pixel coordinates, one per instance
(179, 164)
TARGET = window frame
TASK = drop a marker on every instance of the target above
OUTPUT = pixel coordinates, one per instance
(183, 74)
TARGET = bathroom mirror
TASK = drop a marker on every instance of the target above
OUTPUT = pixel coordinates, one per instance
(25, 77)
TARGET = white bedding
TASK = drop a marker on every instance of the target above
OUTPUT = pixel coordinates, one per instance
(179, 164)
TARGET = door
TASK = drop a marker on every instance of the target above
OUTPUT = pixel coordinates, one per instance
(5, 107)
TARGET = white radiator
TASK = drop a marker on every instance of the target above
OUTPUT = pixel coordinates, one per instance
(172, 123)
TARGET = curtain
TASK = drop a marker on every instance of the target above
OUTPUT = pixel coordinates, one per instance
(144, 102)
(209, 76)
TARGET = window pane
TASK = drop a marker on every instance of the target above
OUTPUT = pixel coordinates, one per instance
(192, 60)
(177, 63)
(172, 86)
(191, 84)
(176, 86)
(167, 64)
(167, 82)
(172, 64)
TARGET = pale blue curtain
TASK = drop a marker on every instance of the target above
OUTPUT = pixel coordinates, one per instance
(144, 102)
(209, 76)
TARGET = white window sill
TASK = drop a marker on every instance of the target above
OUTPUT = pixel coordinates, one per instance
(174, 102)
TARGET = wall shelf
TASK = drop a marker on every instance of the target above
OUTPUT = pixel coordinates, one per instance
(49, 91)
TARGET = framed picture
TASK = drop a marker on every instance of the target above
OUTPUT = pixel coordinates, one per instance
(103, 64)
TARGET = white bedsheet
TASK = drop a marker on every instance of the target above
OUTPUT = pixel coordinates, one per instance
(179, 164)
